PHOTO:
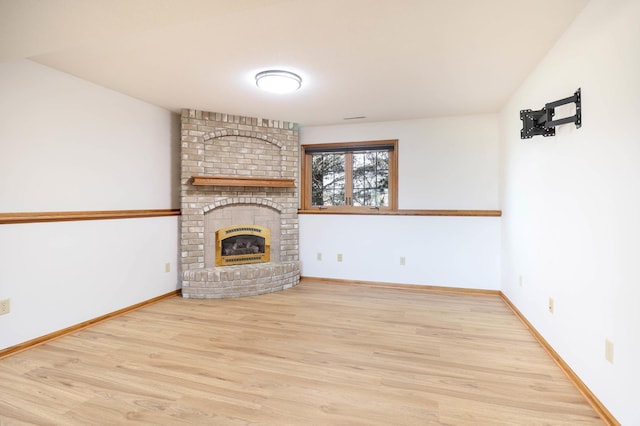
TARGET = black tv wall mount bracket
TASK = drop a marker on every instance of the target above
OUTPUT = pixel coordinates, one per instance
(541, 122)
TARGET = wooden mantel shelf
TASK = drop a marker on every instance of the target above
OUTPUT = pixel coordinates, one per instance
(243, 181)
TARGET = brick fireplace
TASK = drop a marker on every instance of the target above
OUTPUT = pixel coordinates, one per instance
(238, 173)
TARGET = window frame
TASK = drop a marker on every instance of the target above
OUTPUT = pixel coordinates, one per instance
(306, 179)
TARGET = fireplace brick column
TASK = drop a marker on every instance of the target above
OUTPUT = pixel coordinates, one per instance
(215, 144)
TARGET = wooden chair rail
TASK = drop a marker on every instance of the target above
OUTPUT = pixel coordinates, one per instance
(35, 217)
(480, 213)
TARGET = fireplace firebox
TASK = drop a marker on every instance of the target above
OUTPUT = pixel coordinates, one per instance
(242, 244)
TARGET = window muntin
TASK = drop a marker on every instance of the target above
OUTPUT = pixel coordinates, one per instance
(350, 176)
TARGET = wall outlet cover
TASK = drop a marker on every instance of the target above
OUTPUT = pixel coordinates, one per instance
(5, 306)
(608, 350)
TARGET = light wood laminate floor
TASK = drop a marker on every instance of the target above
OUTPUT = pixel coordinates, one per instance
(317, 354)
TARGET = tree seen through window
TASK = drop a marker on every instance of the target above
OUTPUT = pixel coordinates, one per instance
(352, 178)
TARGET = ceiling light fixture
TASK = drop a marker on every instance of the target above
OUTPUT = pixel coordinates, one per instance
(278, 81)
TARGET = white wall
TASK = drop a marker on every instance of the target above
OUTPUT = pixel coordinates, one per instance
(69, 145)
(444, 163)
(571, 202)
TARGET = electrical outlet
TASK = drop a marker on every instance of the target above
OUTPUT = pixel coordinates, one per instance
(339, 257)
(319, 256)
(167, 267)
(402, 261)
(520, 280)
(608, 350)
(551, 304)
(5, 306)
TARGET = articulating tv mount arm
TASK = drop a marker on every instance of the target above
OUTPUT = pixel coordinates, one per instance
(541, 122)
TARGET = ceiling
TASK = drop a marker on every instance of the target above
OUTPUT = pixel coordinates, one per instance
(381, 59)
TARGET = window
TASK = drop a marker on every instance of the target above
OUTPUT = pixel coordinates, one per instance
(357, 176)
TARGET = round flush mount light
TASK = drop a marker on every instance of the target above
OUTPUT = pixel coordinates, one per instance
(278, 81)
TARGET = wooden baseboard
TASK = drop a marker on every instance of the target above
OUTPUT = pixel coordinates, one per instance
(416, 287)
(573, 377)
(57, 334)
